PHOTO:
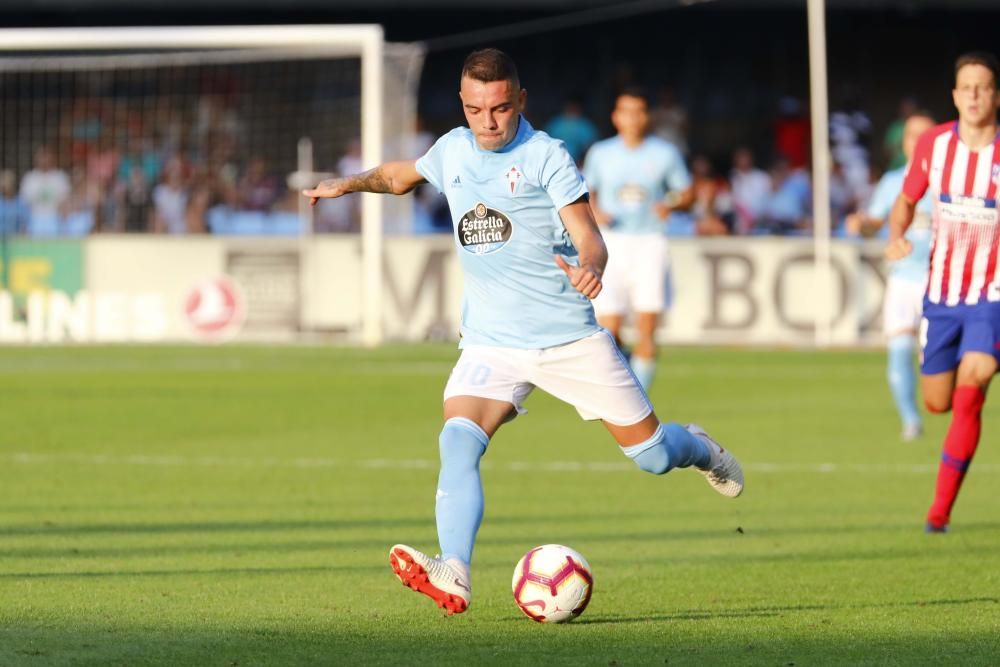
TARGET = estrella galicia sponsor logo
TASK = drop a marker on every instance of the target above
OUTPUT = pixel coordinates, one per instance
(631, 196)
(484, 230)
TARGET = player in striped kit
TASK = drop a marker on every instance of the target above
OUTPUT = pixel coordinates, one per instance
(959, 164)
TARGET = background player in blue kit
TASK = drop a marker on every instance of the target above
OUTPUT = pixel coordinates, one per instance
(635, 181)
(904, 291)
(532, 257)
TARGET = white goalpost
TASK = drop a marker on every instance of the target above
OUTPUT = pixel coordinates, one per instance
(285, 53)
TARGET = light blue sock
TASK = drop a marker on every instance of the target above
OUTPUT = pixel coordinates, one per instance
(902, 379)
(459, 508)
(644, 369)
(671, 446)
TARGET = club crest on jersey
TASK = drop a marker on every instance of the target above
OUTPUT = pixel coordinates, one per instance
(996, 174)
(514, 177)
(483, 230)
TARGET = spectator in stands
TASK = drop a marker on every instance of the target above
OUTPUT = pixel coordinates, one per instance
(892, 142)
(573, 128)
(43, 190)
(789, 207)
(343, 216)
(170, 201)
(13, 212)
(712, 207)
(216, 116)
(80, 210)
(102, 162)
(258, 189)
(82, 127)
(200, 203)
(842, 198)
(430, 207)
(141, 154)
(668, 120)
(751, 189)
(791, 133)
(850, 132)
(135, 203)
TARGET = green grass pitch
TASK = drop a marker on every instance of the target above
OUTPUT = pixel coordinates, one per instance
(234, 506)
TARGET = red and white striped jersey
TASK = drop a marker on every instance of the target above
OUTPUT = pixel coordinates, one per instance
(966, 239)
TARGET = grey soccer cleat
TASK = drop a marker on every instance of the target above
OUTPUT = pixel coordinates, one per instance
(723, 472)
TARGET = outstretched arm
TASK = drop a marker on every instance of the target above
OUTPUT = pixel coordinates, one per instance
(578, 218)
(396, 178)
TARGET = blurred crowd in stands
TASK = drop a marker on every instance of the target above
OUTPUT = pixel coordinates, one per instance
(741, 193)
(123, 169)
(114, 167)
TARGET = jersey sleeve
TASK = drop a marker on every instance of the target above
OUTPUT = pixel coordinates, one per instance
(560, 177)
(431, 164)
(916, 180)
(676, 175)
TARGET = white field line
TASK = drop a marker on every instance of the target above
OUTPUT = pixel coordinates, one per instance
(33, 458)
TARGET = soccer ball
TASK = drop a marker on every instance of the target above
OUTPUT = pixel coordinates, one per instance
(552, 584)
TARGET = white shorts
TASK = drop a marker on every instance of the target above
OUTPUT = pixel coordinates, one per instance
(902, 306)
(590, 374)
(637, 274)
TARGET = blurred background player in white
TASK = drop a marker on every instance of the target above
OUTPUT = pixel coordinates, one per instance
(532, 258)
(958, 163)
(904, 292)
(636, 181)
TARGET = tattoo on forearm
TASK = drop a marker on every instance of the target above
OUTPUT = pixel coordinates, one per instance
(373, 180)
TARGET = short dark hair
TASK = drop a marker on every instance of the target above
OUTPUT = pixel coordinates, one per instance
(488, 65)
(984, 58)
(634, 91)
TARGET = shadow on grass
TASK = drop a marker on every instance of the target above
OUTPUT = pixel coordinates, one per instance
(367, 640)
(204, 544)
(752, 612)
(211, 572)
(48, 527)
(281, 525)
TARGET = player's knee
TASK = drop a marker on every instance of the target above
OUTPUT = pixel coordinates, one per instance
(462, 443)
(937, 405)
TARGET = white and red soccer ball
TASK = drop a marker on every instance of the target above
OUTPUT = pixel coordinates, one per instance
(552, 584)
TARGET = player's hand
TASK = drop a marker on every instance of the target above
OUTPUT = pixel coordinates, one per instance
(584, 279)
(853, 223)
(330, 188)
(898, 249)
(662, 210)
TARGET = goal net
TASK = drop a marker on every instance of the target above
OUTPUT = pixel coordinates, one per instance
(204, 129)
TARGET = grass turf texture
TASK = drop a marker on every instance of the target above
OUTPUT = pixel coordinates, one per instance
(235, 506)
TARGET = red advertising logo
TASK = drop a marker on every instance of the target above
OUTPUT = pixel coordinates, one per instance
(215, 309)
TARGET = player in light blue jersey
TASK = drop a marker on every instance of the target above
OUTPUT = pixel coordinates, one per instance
(904, 290)
(635, 181)
(532, 257)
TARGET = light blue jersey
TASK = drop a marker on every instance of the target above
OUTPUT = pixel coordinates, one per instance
(914, 266)
(629, 181)
(504, 206)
